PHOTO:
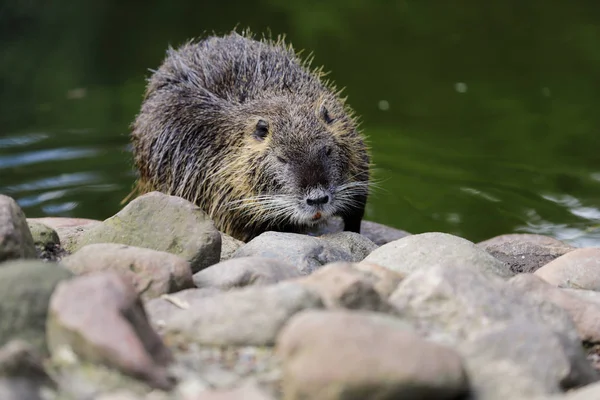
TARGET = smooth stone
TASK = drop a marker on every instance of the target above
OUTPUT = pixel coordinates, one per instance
(589, 392)
(578, 269)
(381, 234)
(44, 237)
(15, 238)
(584, 313)
(100, 318)
(249, 316)
(25, 289)
(459, 305)
(245, 271)
(342, 286)
(164, 307)
(307, 253)
(246, 392)
(229, 246)
(164, 223)
(385, 281)
(331, 355)
(358, 246)
(151, 272)
(525, 253)
(426, 250)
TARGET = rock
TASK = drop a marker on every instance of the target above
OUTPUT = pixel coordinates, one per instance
(307, 253)
(469, 309)
(341, 286)
(68, 229)
(385, 281)
(249, 316)
(246, 392)
(358, 246)
(25, 289)
(588, 392)
(46, 241)
(358, 355)
(578, 269)
(229, 246)
(531, 357)
(245, 271)
(585, 314)
(22, 373)
(15, 238)
(523, 238)
(100, 318)
(165, 306)
(161, 222)
(525, 253)
(426, 250)
(151, 272)
(381, 234)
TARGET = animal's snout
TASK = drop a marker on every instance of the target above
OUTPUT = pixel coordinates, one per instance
(317, 201)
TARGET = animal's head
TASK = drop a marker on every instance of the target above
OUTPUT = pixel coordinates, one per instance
(304, 156)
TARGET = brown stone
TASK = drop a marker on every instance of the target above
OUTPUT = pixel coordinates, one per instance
(579, 269)
(385, 281)
(152, 272)
(358, 355)
(100, 318)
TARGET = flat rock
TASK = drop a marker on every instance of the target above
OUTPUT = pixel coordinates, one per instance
(461, 305)
(248, 316)
(15, 238)
(151, 272)
(164, 307)
(578, 269)
(100, 319)
(342, 286)
(381, 234)
(358, 355)
(307, 253)
(525, 253)
(585, 314)
(229, 246)
(589, 392)
(25, 289)
(164, 223)
(245, 392)
(427, 250)
(68, 229)
(245, 271)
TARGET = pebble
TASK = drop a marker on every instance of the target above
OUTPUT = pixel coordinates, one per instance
(15, 238)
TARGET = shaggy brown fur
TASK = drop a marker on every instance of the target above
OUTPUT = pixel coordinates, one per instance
(251, 134)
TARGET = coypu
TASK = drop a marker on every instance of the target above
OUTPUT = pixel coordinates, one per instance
(252, 135)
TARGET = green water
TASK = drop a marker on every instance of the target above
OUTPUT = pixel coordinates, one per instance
(483, 117)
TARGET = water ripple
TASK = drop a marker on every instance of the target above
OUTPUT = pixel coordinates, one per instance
(39, 156)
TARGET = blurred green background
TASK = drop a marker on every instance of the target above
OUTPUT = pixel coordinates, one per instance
(483, 116)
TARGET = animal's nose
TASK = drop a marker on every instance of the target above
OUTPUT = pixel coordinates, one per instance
(317, 200)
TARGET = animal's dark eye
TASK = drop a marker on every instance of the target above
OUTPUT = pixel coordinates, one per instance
(282, 160)
(262, 129)
(325, 115)
(328, 150)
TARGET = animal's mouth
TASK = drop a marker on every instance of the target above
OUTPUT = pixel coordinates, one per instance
(317, 216)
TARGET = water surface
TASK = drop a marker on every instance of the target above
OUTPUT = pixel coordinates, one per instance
(482, 116)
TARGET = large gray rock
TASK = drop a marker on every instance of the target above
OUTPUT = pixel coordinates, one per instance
(151, 272)
(358, 355)
(25, 289)
(470, 310)
(358, 246)
(249, 316)
(427, 250)
(100, 319)
(525, 252)
(578, 269)
(164, 223)
(307, 253)
(15, 238)
(381, 234)
(245, 271)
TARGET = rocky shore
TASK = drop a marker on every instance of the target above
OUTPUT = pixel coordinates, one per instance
(155, 303)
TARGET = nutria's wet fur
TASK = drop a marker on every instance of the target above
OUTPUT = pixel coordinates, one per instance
(246, 130)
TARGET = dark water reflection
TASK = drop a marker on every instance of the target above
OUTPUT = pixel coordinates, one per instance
(482, 116)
